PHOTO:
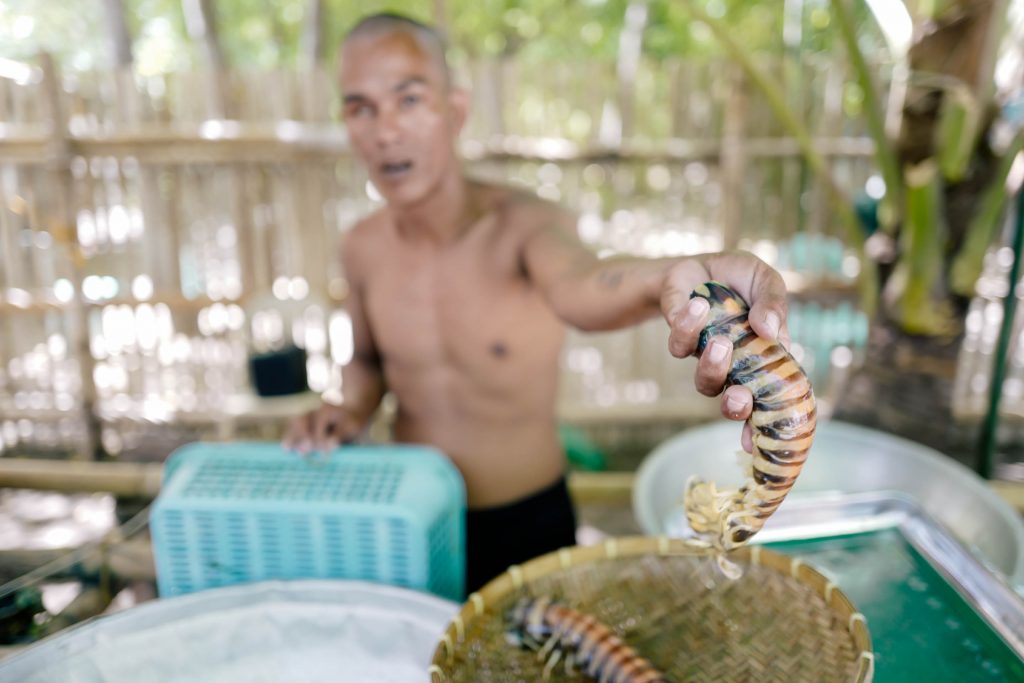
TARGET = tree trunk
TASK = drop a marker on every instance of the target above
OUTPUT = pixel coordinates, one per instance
(441, 19)
(117, 28)
(906, 389)
(201, 20)
(312, 46)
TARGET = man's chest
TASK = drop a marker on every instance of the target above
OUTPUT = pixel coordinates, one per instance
(462, 307)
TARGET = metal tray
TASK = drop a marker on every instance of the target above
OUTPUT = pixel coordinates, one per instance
(935, 612)
(846, 459)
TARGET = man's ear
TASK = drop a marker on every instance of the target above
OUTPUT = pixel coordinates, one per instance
(458, 100)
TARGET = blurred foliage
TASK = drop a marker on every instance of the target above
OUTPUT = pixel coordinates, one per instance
(18, 615)
(267, 33)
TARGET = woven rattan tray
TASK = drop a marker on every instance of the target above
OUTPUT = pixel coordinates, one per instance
(782, 621)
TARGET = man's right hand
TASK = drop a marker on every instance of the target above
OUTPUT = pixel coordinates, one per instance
(322, 430)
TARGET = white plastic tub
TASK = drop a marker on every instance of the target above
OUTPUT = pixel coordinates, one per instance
(277, 632)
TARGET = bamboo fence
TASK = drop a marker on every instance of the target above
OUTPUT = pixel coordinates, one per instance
(153, 229)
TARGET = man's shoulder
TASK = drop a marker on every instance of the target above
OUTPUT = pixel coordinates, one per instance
(366, 230)
(369, 225)
(521, 207)
(358, 242)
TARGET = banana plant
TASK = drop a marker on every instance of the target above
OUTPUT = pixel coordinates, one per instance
(945, 188)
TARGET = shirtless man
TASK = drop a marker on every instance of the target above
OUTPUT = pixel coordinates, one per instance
(461, 292)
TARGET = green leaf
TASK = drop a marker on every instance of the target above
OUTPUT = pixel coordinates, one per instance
(885, 155)
(775, 95)
(984, 225)
(920, 306)
(957, 132)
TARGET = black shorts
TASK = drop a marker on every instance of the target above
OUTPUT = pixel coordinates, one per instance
(499, 537)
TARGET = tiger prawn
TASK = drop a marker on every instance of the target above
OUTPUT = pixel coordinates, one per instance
(556, 630)
(782, 422)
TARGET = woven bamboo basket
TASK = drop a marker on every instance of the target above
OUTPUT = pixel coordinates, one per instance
(781, 621)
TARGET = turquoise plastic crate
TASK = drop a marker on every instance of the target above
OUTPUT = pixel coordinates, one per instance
(241, 512)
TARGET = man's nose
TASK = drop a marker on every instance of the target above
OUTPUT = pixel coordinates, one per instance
(388, 129)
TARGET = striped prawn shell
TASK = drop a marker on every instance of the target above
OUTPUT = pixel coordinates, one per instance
(783, 418)
(594, 647)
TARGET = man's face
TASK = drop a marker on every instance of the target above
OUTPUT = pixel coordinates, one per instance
(401, 115)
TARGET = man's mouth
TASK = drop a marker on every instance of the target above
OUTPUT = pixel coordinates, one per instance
(395, 169)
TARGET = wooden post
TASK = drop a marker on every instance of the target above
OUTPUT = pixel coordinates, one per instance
(311, 44)
(262, 234)
(242, 201)
(678, 97)
(829, 124)
(117, 28)
(314, 248)
(733, 159)
(631, 43)
(11, 265)
(58, 160)
(441, 19)
(489, 93)
(792, 72)
(201, 21)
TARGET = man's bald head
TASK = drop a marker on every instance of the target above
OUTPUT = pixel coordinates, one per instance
(384, 24)
(402, 114)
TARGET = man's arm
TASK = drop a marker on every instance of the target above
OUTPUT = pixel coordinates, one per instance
(594, 294)
(362, 380)
(588, 293)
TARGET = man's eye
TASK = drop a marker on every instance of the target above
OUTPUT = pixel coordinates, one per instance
(360, 110)
(410, 100)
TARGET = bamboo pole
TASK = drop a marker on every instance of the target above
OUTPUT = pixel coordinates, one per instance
(245, 142)
(831, 123)
(201, 22)
(989, 433)
(58, 163)
(770, 89)
(11, 264)
(314, 248)
(121, 478)
(129, 560)
(984, 226)
(241, 205)
(885, 154)
(117, 28)
(43, 260)
(628, 62)
(441, 19)
(920, 265)
(601, 487)
(490, 96)
(733, 161)
(92, 601)
(312, 40)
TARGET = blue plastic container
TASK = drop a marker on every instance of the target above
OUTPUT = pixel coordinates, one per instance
(241, 512)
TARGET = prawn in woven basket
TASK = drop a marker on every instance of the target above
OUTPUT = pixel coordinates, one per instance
(653, 609)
